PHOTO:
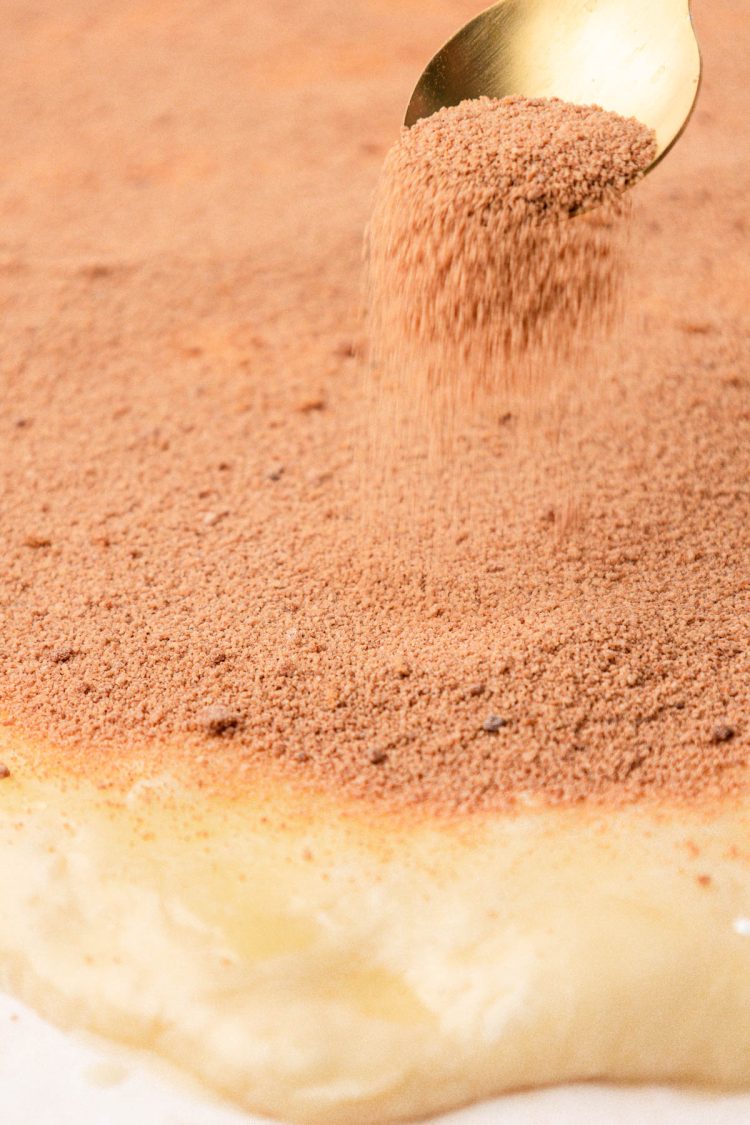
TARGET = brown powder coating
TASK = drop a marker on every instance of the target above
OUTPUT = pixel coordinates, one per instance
(479, 283)
(179, 269)
(521, 157)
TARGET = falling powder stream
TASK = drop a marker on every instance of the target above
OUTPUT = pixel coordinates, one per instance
(495, 260)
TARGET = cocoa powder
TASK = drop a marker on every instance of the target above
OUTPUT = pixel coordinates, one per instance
(480, 285)
(172, 295)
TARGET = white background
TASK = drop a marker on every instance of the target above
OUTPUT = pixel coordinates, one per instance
(48, 1078)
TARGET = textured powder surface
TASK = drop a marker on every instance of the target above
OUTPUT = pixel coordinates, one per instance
(538, 157)
(479, 283)
(186, 583)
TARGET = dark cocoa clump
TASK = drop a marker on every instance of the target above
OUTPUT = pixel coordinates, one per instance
(217, 720)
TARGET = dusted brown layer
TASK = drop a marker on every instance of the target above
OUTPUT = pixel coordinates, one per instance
(184, 558)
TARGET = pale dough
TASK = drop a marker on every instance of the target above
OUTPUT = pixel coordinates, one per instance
(325, 965)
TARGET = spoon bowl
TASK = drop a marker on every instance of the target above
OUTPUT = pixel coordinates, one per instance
(638, 58)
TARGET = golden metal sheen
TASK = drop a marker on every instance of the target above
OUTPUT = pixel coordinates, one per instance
(639, 58)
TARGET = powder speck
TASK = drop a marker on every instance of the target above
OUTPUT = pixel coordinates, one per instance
(217, 720)
(493, 724)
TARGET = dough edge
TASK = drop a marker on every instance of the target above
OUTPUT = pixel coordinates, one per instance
(320, 964)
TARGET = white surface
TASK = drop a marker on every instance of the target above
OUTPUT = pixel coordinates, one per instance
(48, 1078)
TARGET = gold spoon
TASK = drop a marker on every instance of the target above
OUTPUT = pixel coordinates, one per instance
(639, 58)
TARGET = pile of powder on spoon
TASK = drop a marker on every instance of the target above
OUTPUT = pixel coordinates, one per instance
(479, 283)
